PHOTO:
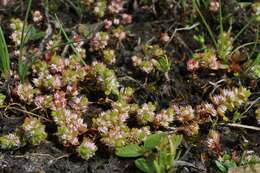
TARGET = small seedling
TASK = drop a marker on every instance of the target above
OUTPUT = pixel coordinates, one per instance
(156, 155)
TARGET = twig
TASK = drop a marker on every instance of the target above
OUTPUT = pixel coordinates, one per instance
(187, 28)
(251, 104)
(241, 126)
(33, 154)
(216, 85)
(25, 111)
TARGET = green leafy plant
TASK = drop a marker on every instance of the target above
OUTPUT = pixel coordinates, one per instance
(164, 65)
(156, 155)
(4, 56)
(224, 43)
(22, 66)
(2, 99)
(225, 162)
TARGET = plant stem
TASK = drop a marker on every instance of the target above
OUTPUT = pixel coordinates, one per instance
(206, 24)
(23, 29)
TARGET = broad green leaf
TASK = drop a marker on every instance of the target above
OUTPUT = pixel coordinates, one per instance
(153, 140)
(131, 150)
(230, 164)
(143, 165)
(221, 167)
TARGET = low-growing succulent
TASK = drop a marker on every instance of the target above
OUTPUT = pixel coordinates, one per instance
(146, 113)
(99, 41)
(154, 57)
(153, 51)
(164, 117)
(34, 131)
(100, 8)
(229, 99)
(10, 141)
(70, 126)
(87, 149)
(205, 112)
(206, 59)
(119, 33)
(106, 78)
(109, 56)
(213, 141)
(26, 92)
(116, 6)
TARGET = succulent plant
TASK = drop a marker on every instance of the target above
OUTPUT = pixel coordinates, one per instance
(106, 78)
(26, 92)
(109, 56)
(99, 41)
(229, 99)
(10, 141)
(87, 149)
(70, 126)
(34, 131)
(165, 117)
(100, 7)
(146, 113)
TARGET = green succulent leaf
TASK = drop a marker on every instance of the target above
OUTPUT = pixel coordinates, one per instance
(131, 150)
(220, 166)
(144, 165)
(153, 140)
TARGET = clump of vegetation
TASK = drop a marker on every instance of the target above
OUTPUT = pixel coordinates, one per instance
(157, 154)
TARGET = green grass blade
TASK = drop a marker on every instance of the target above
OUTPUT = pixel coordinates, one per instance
(22, 70)
(205, 23)
(4, 55)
